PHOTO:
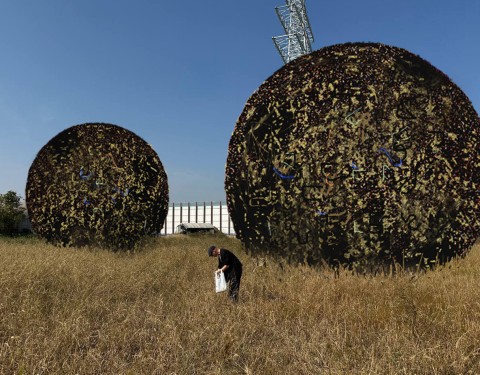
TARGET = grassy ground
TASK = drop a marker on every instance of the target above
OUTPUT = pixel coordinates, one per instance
(67, 311)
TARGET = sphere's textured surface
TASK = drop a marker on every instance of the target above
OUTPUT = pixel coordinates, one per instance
(97, 184)
(356, 151)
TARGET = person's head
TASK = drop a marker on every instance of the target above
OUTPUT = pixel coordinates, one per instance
(213, 251)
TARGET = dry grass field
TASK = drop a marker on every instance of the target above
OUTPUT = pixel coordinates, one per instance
(90, 311)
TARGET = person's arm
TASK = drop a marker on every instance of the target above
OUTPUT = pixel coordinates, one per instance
(225, 260)
(224, 268)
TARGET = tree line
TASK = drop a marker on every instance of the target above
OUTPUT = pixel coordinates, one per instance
(11, 213)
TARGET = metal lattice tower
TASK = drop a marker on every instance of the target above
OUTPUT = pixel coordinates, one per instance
(298, 33)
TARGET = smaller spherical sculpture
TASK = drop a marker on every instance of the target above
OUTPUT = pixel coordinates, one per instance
(97, 184)
(356, 152)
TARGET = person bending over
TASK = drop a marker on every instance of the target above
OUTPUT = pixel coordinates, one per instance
(231, 266)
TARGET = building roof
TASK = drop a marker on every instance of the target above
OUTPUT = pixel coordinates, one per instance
(197, 226)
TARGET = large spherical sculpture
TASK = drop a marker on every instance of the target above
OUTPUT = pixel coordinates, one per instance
(356, 152)
(97, 184)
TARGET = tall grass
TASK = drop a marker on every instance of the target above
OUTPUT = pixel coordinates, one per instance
(89, 311)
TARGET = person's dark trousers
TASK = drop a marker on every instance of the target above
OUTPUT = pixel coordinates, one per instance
(234, 285)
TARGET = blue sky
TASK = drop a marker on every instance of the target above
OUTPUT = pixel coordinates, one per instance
(178, 73)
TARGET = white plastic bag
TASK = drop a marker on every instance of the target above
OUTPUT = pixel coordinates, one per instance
(220, 282)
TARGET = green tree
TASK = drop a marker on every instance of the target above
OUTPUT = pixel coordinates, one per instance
(11, 213)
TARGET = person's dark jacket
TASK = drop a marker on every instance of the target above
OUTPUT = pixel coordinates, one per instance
(226, 257)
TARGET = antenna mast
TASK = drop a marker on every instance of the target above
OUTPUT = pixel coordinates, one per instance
(298, 33)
